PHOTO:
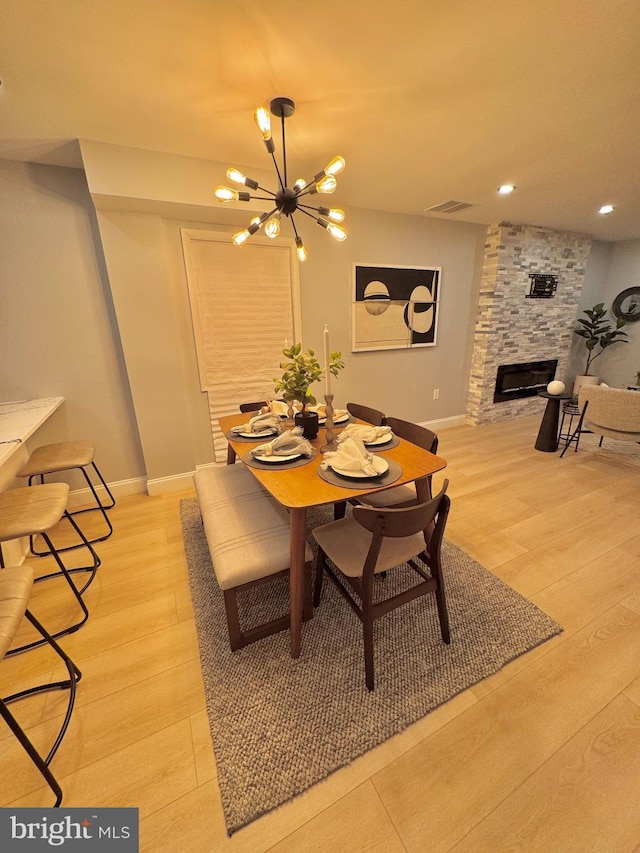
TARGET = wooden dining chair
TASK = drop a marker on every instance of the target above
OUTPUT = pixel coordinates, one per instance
(372, 541)
(252, 407)
(400, 495)
(366, 413)
(404, 495)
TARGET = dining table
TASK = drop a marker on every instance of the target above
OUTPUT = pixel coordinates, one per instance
(300, 486)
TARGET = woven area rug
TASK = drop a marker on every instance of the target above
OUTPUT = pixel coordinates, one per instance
(280, 725)
(626, 452)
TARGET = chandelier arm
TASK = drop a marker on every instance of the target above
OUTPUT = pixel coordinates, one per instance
(275, 163)
(310, 215)
(264, 197)
(264, 190)
(305, 207)
(284, 151)
(309, 188)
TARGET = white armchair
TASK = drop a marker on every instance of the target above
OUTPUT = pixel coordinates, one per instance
(607, 412)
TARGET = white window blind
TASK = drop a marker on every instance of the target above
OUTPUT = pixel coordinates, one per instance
(243, 304)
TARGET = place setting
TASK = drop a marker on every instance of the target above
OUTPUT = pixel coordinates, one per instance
(379, 437)
(257, 428)
(353, 466)
(340, 416)
(288, 450)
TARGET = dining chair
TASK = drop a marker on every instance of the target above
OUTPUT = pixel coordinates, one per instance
(252, 407)
(404, 495)
(16, 585)
(400, 495)
(366, 413)
(375, 540)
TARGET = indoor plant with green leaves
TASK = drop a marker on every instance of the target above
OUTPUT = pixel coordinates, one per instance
(598, 334)
(300, 371)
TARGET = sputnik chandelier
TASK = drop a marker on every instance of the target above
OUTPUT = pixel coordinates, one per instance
(287, 200)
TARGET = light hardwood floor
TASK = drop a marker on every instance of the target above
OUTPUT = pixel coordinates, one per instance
(543, 756)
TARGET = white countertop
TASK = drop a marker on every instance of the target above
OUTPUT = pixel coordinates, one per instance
(20, 419)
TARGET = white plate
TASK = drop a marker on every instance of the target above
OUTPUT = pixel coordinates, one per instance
(265, 434)
(339, 420)
(385, 439)
(275, 459)
(381, 465)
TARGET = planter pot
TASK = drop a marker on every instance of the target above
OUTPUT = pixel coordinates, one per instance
(584, 380)
(309, 423)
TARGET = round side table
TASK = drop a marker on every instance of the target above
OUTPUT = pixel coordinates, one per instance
(547, 440)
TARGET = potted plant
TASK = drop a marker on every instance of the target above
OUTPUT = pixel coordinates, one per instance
(598, 334)
(300, 371)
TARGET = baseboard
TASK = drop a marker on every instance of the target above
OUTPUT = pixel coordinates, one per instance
(175, 483)
(444, 423)
(120, 489)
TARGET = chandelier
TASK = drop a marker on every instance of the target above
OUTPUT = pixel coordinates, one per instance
(287, 200)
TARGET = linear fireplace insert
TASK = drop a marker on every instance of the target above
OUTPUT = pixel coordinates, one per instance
(515, 381)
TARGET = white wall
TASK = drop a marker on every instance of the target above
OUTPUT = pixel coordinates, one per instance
(58, 335)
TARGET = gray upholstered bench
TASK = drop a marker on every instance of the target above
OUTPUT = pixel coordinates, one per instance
(248, 537)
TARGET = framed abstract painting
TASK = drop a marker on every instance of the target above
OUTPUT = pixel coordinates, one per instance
(394, 307)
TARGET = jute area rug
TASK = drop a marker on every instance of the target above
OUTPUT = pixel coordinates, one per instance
(626, 452)
(280, 725)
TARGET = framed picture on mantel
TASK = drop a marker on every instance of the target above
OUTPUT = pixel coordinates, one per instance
(394, 307)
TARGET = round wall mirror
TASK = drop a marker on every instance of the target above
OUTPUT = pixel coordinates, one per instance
(626, 305)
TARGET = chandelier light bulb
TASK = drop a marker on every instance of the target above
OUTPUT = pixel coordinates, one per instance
(226, 194)
(263, 120)
(326, 185)
(337, 231)
(272, 228)
(335, 166)
(299, 185)
(237, 177)
(335, 214)
(300, 249)
(239, 238)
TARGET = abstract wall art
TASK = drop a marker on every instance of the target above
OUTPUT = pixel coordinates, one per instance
(394, 307)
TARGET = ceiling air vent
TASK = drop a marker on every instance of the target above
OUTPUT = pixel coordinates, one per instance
(448, 207)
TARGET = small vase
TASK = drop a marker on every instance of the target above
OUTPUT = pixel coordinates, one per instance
(309, 423)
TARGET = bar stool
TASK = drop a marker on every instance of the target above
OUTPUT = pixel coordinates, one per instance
(16, 585)
(67, 456)
(33, 510)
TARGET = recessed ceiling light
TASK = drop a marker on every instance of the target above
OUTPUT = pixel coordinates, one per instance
(606, 208)
(505, 189)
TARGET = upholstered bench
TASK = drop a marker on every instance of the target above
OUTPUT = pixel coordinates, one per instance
(248, 537)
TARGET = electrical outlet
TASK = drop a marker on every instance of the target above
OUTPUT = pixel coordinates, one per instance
(436, 393)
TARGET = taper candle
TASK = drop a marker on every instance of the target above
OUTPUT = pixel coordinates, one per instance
(327, 360)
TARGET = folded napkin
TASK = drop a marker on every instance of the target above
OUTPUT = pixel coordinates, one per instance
(280, 408)
(286, 444)
(258, 424)
(351, 455)
(365, 432)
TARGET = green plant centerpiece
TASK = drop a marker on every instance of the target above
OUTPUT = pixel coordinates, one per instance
(301, 371)
(598, 333)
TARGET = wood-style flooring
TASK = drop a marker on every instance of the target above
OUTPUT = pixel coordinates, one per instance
(543, 756)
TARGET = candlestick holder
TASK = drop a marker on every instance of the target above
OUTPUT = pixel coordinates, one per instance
(331, 444)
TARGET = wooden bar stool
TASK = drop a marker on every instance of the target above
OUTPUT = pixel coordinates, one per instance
(16, 584)
(34, 510)
(67, 456)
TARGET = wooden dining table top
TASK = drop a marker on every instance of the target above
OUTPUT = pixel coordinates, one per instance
(302, 487)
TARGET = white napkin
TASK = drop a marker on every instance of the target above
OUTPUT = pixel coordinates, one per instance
(280, 408)
(351, 455)
(259, 424)
(365, 432)
(286, 444)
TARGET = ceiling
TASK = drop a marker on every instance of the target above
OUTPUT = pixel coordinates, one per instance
(428, 101)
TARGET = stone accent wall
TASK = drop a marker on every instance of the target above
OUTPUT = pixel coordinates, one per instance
(511, 328)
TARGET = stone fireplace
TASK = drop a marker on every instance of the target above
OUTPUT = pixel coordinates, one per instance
(515, 325)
